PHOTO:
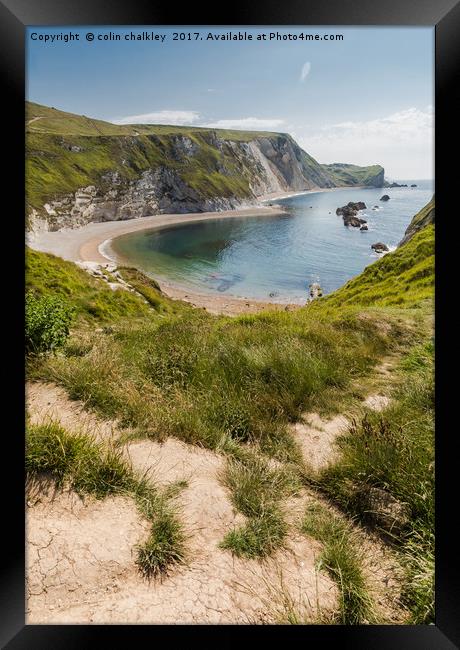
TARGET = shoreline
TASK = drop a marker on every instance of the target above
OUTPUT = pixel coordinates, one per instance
(85, 245)
(82, 244)
(287, 195)
(89, 244)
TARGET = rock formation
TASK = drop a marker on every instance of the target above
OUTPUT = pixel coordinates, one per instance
(423, 218)
(349, 213)
(315, 290)
(379, 247)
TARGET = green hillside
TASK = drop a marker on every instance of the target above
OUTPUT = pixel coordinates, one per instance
(345, 174)
(404, 277)
(67, 152)
(46, 119)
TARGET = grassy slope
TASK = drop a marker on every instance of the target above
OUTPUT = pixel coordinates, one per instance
(234, 384)
(62, 123)
(344, 174)
(94, 301)
(423, 218)
(394, 450)
(403, 278)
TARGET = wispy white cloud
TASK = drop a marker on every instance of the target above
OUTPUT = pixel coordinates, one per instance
(305, 71)
(247, 123)
(184, 118)
(403, 125)
(402, 142)
(180, 118)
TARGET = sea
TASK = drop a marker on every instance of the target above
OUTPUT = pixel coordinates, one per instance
(277, 257)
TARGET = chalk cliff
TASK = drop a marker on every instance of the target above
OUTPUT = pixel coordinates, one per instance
(81, 170)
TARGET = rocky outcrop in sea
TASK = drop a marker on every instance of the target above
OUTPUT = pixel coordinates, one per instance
(349, 214)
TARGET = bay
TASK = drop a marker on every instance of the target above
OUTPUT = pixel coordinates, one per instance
(276, 257)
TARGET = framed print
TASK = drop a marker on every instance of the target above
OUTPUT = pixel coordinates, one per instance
(231, 415)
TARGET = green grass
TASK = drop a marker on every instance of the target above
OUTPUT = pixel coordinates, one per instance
(403, 278)
(418, 592)
(91, 298)
(257, 491)
(90, 468)
(423, 218)
(259, 537)
(150, 290)
(55, 121)
(212, 380)
(76, 459)
(394, 451)
(254, 487)
(164, 547)
(340, 557)
(344, 174)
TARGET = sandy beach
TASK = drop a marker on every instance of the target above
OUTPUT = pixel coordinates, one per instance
(89, 243)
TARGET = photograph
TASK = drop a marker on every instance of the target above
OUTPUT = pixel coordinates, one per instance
(229, 325)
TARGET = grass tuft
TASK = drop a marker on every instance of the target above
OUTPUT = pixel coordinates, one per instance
(259, 537)
(340, 559)
(164, 547)
(256, 492)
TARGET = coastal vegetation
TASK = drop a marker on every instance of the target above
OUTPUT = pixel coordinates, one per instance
(403, 278)
(345, 174)
(341, 559)
(237, 385)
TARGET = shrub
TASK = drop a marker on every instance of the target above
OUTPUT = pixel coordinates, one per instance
(48, 321)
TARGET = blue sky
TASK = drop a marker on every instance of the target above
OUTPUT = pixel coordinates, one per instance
(366, 99)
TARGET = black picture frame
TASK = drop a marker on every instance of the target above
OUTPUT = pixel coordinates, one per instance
(15, 15)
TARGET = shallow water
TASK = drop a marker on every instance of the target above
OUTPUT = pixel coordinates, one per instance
(276, 257)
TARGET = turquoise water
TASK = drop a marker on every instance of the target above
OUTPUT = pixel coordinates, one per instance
(276, 257)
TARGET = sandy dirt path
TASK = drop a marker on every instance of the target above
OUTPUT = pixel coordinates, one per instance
(81, 552)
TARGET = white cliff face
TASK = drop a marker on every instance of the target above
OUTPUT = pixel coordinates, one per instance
(268, 164)
(269, 179)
